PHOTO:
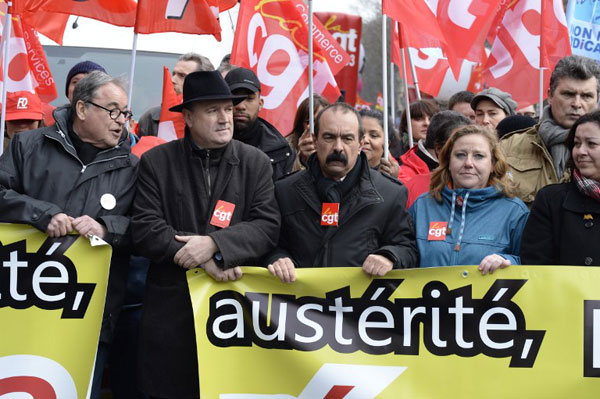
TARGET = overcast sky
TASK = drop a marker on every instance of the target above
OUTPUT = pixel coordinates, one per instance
(91, 33)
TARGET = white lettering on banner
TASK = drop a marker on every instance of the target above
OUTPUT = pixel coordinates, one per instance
(346, 39)
(591, 338)
(528, 43)
(26, 374)
(175, 9)
(321, 79)
(596, 339)
(222, 216)
(338, 380)
(458, 12)
(255, 23)
(559, 12)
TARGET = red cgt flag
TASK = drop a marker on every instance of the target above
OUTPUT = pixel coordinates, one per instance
(171, 125)
(523, 42)
(194, 16)
(225, 5)
(272, 39)
(115, 12)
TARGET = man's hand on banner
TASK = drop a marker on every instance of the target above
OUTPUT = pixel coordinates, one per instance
(377, 265)
(60, 225)
(87, 227)
(219, 274)
(197, 251)
(492, 262)
(284, 269)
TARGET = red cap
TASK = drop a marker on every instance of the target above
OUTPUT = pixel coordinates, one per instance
(23, 105)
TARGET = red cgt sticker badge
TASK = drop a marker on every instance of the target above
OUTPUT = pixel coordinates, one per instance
(330, 214)
(437, 231)
(222, 214)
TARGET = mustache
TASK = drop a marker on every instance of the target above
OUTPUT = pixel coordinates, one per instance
(337, 157)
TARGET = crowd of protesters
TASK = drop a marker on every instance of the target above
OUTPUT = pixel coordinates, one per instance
(484, 184)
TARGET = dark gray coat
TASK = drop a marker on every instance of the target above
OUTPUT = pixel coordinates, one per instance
(372, 220)
(41, 175)
(172, 199)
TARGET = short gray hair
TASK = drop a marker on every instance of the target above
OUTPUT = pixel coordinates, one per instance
(575, 67)
(343, 108)
(87, 88)
(203, 62)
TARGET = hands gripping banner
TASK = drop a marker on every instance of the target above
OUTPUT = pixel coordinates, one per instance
(52, 294)
(421, 333)
(272, 39)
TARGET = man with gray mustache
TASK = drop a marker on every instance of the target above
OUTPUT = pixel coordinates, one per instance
(338, 211)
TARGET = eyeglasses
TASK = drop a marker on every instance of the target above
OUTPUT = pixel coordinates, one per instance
(113, 113)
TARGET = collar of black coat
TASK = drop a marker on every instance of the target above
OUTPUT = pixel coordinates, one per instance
(336, 190)
(262, 135)
(193, 150)
(577, 202)
(62, 122)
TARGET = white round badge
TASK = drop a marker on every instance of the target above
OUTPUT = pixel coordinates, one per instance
(108, 201)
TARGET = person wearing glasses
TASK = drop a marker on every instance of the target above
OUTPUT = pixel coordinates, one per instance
(78, 175)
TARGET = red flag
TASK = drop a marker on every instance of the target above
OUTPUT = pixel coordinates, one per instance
(45, 89)
(115, 12)
(225, 5)
(271, 39)
(465, 24)
(51, 25)
(523, 36)
(361, 104)
(195, 16)
(171, 125)
(27, 68)
(346, 29)
(416, 14)
(430, 64)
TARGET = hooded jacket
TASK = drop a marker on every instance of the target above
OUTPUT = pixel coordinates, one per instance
(487, 223)
(413, 164)
(41, 175)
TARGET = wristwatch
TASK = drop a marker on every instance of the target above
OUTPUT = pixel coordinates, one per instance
(218, 258)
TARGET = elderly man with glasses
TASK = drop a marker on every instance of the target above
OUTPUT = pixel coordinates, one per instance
(78, 175)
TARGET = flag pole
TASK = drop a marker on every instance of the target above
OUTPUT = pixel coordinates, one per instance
(386, 149)
(413, 72)
(406, 100)
(5, 56)
(311, 89)
(132, 71)
(392, 95)
(541, 100)
(541, 104)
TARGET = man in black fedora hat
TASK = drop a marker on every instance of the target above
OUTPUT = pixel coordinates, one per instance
(207, 201)
(254, 130)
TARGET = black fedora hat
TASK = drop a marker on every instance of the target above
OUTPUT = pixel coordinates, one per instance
(205, 85)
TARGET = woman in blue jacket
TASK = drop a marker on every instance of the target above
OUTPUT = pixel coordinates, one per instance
(470, 215)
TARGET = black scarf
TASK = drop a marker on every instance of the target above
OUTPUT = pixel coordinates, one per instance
(330, 190)
(85, 151)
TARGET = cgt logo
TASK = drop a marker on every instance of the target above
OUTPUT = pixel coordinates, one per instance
(34, 377)
(339, 381)
(330, 214)
(437, 231)
(222, 214)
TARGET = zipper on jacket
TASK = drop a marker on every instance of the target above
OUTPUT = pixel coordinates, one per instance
(208, 172)
(83, 166)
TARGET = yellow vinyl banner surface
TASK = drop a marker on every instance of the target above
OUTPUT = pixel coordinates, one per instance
(449, 332)
(52, 293)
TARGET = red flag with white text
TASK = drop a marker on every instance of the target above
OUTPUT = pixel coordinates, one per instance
(192, 16)
(346, 29)
(523, 35)
(171, 125)
(271, 38)
(27, 67)
(115, 12)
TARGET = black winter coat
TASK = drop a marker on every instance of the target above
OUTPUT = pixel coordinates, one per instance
(41, 176)
(172, 198)
(372, 220)
(563, 228)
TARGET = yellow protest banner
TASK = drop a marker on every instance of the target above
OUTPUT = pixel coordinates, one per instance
(52, 293)
(449, 332)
